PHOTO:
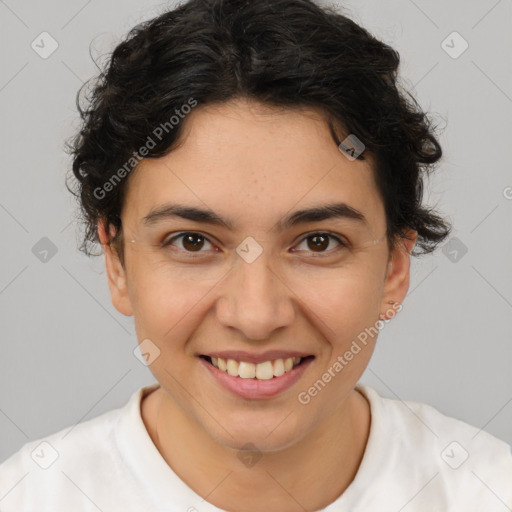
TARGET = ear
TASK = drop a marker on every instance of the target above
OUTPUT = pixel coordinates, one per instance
(397, 276)
(116, 273)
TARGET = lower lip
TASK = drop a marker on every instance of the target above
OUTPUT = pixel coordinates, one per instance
(254, 389)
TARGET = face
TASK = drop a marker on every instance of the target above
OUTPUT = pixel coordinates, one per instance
(261, 284)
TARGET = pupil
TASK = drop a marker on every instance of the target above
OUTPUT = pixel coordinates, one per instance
(323, 244)
(188, 239)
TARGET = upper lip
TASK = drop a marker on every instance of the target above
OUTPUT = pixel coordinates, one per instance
(251, 357)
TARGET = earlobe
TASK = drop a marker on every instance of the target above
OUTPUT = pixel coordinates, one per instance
(398, 273)
(116, 273)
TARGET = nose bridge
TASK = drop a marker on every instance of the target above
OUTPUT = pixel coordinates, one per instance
(254, 300)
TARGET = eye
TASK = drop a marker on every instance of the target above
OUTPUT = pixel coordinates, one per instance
(193, 242)
(190, 241)
(319, 242)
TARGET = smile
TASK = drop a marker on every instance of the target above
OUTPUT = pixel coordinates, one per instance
(262, 371)
(256, 380)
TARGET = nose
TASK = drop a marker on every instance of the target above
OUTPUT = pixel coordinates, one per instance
(254, 300)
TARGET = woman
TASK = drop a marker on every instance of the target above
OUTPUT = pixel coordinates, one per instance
(254, 177)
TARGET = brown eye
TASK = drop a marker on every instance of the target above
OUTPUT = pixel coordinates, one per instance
(190, 242)
(193, 242)
(319, 242)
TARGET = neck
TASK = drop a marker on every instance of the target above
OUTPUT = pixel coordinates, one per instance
(307, 475)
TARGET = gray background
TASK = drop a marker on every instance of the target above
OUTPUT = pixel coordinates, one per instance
(67, 354)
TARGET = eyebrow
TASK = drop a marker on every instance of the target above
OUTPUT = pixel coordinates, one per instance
(314, 214)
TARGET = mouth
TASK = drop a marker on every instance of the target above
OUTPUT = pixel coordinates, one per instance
(266, 370)
(262, 379)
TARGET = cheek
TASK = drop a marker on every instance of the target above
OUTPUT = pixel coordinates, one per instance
(169, 302)
(344, 300)
(165, 302)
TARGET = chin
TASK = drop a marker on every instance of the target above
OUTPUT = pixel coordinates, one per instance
(272, 435)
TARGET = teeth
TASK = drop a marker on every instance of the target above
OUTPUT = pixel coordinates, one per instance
(246, 370)
(221, 364)
(261, 371)
(264, 371)
(232, 366)
(278, 368)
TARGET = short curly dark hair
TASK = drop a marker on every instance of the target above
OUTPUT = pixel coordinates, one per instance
(284, 53)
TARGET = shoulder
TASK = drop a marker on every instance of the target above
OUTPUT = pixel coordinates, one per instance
(46, 470)
(459, 464)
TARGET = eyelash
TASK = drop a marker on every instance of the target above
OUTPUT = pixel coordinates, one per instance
(193, 254)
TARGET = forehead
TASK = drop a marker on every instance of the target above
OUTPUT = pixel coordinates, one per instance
(249, 161)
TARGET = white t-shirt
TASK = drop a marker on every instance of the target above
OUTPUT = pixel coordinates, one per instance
(416, 460)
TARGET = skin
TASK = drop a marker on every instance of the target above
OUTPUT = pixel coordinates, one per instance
(254, 164)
